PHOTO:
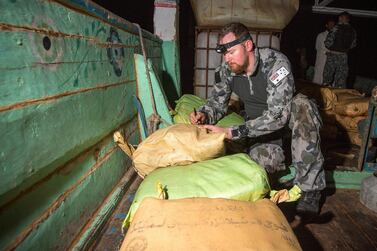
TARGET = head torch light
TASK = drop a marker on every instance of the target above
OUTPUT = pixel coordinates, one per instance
(222, 48)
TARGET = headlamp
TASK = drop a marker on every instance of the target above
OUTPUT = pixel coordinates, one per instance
(222, 48)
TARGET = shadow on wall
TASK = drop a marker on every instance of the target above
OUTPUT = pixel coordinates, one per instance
(169, 89)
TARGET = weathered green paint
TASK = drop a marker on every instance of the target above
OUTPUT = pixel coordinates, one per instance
(37, 139)
(67, 77)
(79, 203)
(145, 96)
(172, 78)
(335, 179)
(70, 72)
(346, 179)
(93, 230)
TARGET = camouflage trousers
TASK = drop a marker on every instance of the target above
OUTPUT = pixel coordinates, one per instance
(307, 158)
(336, 70)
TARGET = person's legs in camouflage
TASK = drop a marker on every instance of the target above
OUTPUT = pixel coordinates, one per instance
(341, 73)
(329, 70)
(269, 156)
(307, 157)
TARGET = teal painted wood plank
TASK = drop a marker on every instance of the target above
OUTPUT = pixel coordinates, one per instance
(102, 13)
(39, 138)
(337, 179)
(54, 19)
(30, 26)
(37, 48)
(41, 48)
(171, 61)
(47, 13)
(17, 216)
(58, 231)
(28, 131)
(91, 67)
(145, 94)
(346, 179)
(67, 76)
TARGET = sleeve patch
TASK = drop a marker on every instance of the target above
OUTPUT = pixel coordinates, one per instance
(279, 75)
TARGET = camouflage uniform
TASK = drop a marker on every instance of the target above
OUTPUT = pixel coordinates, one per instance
(339, 41)
(282, 109)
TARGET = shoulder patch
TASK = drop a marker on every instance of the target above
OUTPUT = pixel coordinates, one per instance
(279, 75)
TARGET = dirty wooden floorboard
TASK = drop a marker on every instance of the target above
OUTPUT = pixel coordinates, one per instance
(111, 236)
(344, 224)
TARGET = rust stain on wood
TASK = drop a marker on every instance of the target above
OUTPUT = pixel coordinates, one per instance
(110, 15)
(52, 98)
(17, 28)
(36, 64)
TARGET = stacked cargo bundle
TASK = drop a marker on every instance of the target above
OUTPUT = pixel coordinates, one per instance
(209, 224)
(341, 111)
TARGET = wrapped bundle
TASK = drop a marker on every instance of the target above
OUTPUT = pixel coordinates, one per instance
(209, 224)
(178, 144)
(348, 123)
(352, 107)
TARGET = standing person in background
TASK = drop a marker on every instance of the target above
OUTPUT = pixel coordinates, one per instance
(263, 80)
(339, 41)
(320, 59)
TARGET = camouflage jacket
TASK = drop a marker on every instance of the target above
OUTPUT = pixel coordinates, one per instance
(276, 71)
(341, 38)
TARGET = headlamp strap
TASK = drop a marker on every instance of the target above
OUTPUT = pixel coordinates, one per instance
(222, 48)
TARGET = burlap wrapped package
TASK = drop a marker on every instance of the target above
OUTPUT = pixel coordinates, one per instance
(345, 94)
(352, 107)
(348, 123)
(178, 144)
(326, 97)
(323, 95)
(209, 224)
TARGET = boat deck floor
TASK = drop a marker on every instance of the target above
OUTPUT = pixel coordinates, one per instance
(344, 224)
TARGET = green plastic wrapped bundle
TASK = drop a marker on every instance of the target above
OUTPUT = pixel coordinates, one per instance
(184, 106)
(187, 103)
(231, 119)
(230, 177)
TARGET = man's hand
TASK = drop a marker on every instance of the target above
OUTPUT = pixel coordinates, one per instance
(218, 129)
(197, 118)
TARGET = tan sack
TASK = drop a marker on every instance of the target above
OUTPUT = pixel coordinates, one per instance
(209, 224)
(326, 97)
(348, 123)
(179, 144)
(323, 95)
(345, 94)
(352, 107)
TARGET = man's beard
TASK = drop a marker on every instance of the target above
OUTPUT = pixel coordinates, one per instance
(236, 68)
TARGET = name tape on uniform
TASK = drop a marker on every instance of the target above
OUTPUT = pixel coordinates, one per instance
(279, 75)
